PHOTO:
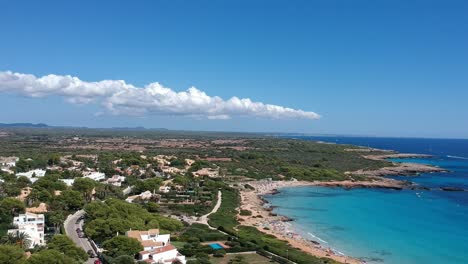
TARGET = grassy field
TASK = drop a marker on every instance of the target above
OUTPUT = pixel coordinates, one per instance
(248, 258)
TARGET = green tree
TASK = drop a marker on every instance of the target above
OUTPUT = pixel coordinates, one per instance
(11, 206)
(22, 182)
(54, 159)
(56, 218)
(71, 200)
(64, 244)
(21, 239)
(84, 186)
(122, 245)
(10, 254)
(51, 256)
(147, 185)
(124, 259)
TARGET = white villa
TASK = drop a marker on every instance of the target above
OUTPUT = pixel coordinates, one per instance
(68, 182)
(142, 196)
(171, 170)
(164, 189)
(8, 161)
(93, 175)
(32, 225)
(32, 175)
(116, 180)
(206, 172)
(157, 248)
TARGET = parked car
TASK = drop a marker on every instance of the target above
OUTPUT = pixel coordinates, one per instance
(91, 254)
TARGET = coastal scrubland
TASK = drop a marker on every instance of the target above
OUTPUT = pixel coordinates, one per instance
(191, 168)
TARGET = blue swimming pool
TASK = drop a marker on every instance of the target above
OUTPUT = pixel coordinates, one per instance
(216, 246)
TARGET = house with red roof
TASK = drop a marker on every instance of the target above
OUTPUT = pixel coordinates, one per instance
(157, 248)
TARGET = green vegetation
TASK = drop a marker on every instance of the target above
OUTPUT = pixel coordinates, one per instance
(241, 259)
(131, 154)
(245, 212)
(276, 246)
(250, 237)
(114, 216)
(201, 233)
(51, 256)
(11, 254)
(9, 207)
(225, 217)
(65, 245)
(122, 245)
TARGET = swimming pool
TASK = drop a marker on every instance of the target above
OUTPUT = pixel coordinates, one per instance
(216, 246)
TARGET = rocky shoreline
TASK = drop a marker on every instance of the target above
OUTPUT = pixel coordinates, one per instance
(267, 221)
(399, 168)
(279, 226)
(376, 182)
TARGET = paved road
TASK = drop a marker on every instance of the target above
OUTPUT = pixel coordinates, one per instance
(70, 229)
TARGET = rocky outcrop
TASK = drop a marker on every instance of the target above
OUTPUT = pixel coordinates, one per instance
(400, 169)
(376, 182)
(396, 156)
(452, 189)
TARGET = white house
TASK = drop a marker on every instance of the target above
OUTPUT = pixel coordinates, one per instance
(157, 248)
(68, 182)
(32, 225)
(32, 175)
(164, 189)
(128, 190)
(8, 161)
(206, 172)
(116, 180)
(142, 196)
(93, 175)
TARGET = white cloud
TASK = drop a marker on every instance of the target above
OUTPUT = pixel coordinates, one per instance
(119, 97)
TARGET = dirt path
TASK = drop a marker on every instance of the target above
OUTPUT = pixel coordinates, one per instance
(204, 218)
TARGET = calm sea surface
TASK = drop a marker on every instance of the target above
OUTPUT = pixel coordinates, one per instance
(387, 226)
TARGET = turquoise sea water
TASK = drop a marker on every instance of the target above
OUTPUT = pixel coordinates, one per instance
(388, 226)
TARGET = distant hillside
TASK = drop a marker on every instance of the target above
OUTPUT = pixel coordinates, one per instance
(24, 125)
(41, 125)
(138, 128)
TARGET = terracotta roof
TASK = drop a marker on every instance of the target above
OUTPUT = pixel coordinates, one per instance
(160, 250)
(137, 233)
(151, 243)
(42, 208)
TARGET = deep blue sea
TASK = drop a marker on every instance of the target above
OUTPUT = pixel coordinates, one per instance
(389, 226)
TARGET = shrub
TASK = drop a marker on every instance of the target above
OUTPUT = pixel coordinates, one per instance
(245, 212)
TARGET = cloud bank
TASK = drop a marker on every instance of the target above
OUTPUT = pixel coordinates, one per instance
(119, 97)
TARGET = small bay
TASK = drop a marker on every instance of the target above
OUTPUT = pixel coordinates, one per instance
(390, 226)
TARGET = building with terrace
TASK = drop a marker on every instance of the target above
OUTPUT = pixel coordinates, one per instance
(157, 248)
(32, 225)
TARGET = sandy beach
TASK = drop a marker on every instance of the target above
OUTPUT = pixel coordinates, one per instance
(279, 226)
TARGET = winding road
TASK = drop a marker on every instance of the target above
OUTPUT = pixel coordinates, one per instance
(204, 218)
(70, 226)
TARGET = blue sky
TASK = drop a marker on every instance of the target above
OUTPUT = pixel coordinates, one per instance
(384, 68)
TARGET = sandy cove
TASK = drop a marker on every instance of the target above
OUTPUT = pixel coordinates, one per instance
(278, 226)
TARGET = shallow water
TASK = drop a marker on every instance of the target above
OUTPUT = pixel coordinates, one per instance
(389, 226)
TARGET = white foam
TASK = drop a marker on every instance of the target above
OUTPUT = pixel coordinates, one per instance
(457, 157)
(318, 238)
